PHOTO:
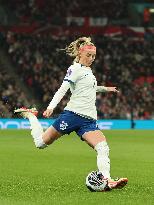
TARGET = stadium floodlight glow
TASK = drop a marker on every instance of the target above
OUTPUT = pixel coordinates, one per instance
(151, 10)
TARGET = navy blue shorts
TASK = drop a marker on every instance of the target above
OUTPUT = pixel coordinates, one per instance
(69, 121)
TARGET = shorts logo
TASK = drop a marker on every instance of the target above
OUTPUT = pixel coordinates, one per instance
(63, 125)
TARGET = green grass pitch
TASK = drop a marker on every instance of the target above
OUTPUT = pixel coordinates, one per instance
(56, 175)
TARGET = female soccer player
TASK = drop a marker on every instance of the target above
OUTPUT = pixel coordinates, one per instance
(80, 114)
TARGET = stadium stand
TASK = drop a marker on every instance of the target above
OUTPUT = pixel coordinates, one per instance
(11, 95)
(120, 61)
(43, 28)
(53, 12)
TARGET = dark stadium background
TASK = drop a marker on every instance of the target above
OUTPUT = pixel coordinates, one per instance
(32, 67)
(32, 32)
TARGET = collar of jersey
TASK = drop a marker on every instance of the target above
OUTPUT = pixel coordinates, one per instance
(83, 66)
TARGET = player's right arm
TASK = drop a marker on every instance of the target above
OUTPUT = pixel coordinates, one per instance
(70, 77)
(56, 98)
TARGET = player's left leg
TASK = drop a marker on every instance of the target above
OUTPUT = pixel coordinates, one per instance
(97, 141)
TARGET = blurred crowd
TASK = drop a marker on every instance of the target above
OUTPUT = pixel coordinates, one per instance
(120, 61)
(11, 96)
(53, 12)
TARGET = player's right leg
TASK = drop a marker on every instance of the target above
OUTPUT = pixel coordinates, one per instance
(41, 139)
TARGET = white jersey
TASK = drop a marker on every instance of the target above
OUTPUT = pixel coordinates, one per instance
(83, 85)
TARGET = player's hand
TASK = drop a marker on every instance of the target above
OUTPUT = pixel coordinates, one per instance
(112, 89)
(47, 113)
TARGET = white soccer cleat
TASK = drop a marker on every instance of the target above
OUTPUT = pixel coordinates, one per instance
(117, 183)
(25, 112)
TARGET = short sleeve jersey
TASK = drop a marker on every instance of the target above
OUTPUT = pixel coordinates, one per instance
(83, 87)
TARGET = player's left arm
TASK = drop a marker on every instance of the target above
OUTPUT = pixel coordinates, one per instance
(106, 89)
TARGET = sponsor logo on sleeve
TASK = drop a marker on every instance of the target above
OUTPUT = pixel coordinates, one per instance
(69, 72)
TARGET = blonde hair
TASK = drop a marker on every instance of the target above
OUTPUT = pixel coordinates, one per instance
(73, 49)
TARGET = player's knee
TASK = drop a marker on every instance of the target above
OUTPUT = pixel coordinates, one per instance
(39, 143)
(40, 146)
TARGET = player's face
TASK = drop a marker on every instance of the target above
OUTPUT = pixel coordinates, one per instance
(87, 57)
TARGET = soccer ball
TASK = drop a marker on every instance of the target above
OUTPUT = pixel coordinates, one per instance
(96, 182)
